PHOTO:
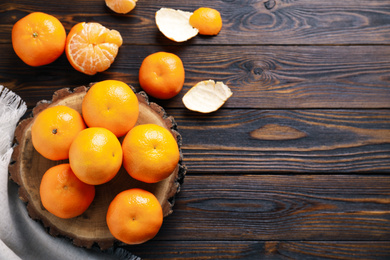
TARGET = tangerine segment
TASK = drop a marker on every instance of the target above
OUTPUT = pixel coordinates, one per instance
(162, 75)
(150, 153)
(38, 39)
(63, 194)
(121, 6)
(207, 20)
(134, 216)
(95, 155)
(111, 104)
(91, 47)
(53, 131)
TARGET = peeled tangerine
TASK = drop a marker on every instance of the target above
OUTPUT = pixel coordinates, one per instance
(121, 6)
(207, 96)
(175, 24)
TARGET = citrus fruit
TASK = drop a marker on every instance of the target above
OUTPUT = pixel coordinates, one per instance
(207, 96)
(150, 153)
(38, 39)
(207, 20)
(175, 24)
(162, 75)
(111, 104)
(53, 131)
(121, 6)
(91, 47)
(63, 194)
(134, 216)
(95, 155)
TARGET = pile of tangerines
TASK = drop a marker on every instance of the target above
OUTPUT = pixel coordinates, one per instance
(110, 109)
(90, 141)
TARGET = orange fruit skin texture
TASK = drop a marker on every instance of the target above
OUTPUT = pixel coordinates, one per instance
(95, 155)
(63, 194)
(150, 153)
(121, 6)
(54, 130)
(134, 216)
(162, 75)
(91, 47)
(38, 39)
(111, 104)
(207, 20)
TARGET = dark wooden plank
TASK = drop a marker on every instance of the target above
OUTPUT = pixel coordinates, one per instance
(245, 22)
(302, 250)
(280, 207)
(285, 140)
(259, 76)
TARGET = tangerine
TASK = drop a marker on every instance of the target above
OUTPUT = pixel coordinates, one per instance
(53, 131)
(121, 6)
(91, 47)
(207, 20)
(150, 153)
(38, 39)
(95, 155)
(63, 194)
(111, 104)
(134, 216)
(162, 75)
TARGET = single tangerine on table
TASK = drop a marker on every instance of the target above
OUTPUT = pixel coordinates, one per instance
(207, 20)
(121, 6)
(150, 153)
(91, 47)
(162, 75)
(63, 194)
(134, 216)
(111, 104)
(53, 131)
(95, 155)
(38, 39)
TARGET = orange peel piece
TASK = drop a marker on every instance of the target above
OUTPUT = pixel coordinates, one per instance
(207, 96)
(175, 24)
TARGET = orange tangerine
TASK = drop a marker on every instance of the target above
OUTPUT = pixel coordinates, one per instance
(38, 38)
(53, 131)
(91, 47)
(63, 194)
(111, 104)
(207, 20)
(162, 75)
(134, 216)
(150, 153)
(95, 155)
(121, 6)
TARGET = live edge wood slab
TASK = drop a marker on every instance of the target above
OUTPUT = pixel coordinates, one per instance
(296, 163)
(28, 167)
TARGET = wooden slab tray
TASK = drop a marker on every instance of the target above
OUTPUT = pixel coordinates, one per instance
(28, 166)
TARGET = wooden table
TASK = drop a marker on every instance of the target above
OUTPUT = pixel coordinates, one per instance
(295, 165)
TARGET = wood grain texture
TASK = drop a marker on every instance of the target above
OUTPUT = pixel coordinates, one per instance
(259, 76)
(244, 22)
(296, 164)
(319, 140)
(280, 207)
(277, 250)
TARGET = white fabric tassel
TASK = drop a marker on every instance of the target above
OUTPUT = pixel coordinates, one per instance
(12, 107)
